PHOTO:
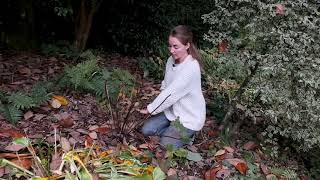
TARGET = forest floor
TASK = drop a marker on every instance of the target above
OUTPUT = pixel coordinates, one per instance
(84, 120)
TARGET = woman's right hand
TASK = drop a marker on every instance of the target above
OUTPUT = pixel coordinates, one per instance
(144, 111)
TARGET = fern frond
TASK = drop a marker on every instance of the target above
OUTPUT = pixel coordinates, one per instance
(97, 85)
(39, 94)
(11, 113)
(81, 74)
(3, 97)
(288, 173)
(21, 100)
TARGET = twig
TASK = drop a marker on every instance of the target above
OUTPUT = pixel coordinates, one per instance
(109, 101)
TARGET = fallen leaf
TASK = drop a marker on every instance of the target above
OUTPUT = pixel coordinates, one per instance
(14, 147)
(66, 122)
(55, 162)
(63, 101)
(220, 152)
(211, 174)
(171, 172)
(229, 149)
(223, 173)
(11, 133)
(55, 104)
(144, 146)
(271, 177)
(242, 168)
(103, 129)
(249, 145)
(239, 164)
(65, 144)
(82, 131)
(28, 115)
(2, 171)
(212, 133)
(92, 128)
(38, 117)
(88, 142)
(24, 70)
(93, 135)
(25, 163)
(14, 155)
(264, 169)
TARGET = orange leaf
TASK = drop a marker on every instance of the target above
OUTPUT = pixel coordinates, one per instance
(223, 46)
(63, 101)
(240, 165)
(88, 142)
(242, 168)
(102, 130)
(211, 174)
(11, 133)
(25, 163)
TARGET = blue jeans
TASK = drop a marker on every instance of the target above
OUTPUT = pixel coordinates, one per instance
(159, 125)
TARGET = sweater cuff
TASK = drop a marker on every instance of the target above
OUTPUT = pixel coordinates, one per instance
(150, 109)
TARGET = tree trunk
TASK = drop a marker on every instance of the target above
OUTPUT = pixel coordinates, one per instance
(83, 24)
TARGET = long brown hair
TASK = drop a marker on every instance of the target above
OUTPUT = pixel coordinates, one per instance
(184, 34)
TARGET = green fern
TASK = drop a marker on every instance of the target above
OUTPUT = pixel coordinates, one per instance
(21, 100)
(97, 86)
(39, 94)
(82, 73)
(11, 113)
(3, 97)
(287, 173)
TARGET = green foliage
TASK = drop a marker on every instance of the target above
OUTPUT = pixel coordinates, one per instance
(182, 130)
(13, 104)
(11, 113)
(154, 66)
(284, 45)
(181, 156)
(60, 49)
(39, 94)
(287, 173)
(82, 74)
(119, 82)
(21, 100)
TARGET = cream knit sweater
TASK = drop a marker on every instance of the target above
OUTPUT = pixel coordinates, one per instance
(182, 86)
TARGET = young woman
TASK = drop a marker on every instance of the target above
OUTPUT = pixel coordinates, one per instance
(181, 96)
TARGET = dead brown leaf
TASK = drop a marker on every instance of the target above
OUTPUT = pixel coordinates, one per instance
(28, 115)
(14, 147)
(66, 122)
(249, 145)
(88, 142)
(11, 133)
(220, 152)
(55, 162)
(229, 149)
(65, 144)
(93, 135)
(24, 71)
(211, 173)
(239, 164)
(25, 163)
(13, 155)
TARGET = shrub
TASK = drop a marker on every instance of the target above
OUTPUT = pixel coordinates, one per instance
(279, 45)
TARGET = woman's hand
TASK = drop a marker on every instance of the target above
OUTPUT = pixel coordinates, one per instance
(144, 111)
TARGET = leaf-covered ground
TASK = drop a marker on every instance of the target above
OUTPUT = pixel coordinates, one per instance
(83, 121)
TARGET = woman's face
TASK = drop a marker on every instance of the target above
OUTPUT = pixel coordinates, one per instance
(178, 50)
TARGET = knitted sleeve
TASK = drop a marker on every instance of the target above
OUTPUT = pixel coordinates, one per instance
(180, 86)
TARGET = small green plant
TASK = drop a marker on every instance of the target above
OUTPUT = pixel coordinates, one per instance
(13, 104)
(287, 173)
(181, 156)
